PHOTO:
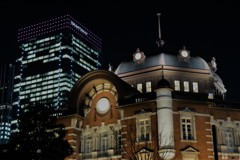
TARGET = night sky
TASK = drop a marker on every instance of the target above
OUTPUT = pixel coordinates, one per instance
(207, 29)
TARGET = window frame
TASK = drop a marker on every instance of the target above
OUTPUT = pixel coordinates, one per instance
(140, 87)
(195, 88)
(188, 114)
(88, 144)
(104, 142)
(177, 82)
(143, 117)
(148, 86)
(186, 86)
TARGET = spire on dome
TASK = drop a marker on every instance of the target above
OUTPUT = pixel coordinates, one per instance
(160, 42)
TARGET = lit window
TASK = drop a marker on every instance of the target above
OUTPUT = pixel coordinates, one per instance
(104, 142)
(144, 130)
(177, 85)
(187, 123)
(228, 133)
(237, 134)
(148, 87)
(210, 95)
(186, 86)
(186, 128)
(229, 137)
(195, 87)
(89, 145)
(139, 87)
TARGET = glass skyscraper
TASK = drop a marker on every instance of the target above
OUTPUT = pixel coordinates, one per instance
(54, 54)
(6, 90)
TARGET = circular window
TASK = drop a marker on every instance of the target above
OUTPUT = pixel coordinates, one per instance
(103, 105)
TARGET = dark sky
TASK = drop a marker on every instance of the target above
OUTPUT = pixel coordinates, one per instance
(207, 29)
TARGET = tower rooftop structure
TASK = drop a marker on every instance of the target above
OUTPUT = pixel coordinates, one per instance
(55, 25)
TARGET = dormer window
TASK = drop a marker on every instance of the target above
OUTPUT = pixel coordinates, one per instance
(186, 86)
(139, 87)
(195, 87)
(176, 85)
(148, 87)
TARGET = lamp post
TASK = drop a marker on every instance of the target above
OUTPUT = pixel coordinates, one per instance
(144, 154)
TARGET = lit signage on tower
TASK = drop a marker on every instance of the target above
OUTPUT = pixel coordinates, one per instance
(79, 28)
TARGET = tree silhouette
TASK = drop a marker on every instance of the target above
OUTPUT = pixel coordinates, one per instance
(131, 146)
(39, 136)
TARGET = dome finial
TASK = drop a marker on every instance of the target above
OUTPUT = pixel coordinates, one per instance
(160, 42)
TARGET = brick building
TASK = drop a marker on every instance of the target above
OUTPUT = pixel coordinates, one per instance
(163, 106)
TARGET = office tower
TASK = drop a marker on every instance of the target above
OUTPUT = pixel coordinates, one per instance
(6, 89)
(53, 55)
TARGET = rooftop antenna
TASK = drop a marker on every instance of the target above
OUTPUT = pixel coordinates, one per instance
(160, 42)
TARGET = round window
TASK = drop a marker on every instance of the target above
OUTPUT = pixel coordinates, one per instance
(103, 105)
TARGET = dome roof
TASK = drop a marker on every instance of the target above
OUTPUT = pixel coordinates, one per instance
(162, 59)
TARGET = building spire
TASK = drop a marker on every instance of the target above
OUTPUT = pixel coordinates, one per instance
(160, 42)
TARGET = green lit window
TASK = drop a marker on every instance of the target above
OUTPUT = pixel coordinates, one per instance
(195, 87)
(148, 87)
(176, 85)
(186, 86)
(139, 87)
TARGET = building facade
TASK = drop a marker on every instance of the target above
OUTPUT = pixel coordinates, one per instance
(6, 90)
(53, 55)
(167, 106)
